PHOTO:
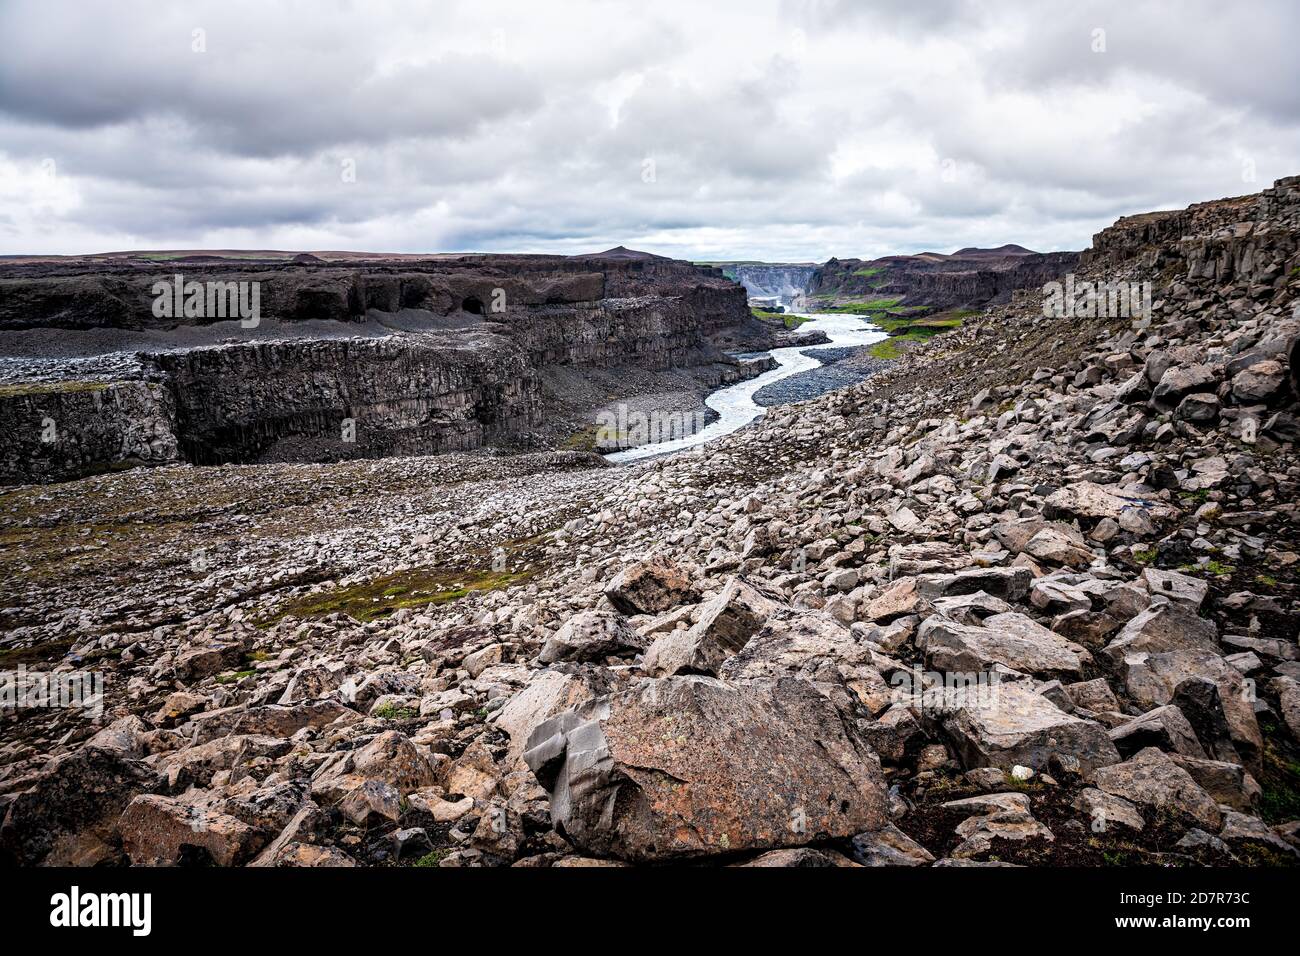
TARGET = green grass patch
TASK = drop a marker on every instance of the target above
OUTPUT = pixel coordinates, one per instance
(865, 308)
(787, 319)
(433, 858)
(1279, 779)
(584, 440)
(385, 595)
(1212, 567)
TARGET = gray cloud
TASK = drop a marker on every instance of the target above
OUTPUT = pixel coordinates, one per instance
(782, 129)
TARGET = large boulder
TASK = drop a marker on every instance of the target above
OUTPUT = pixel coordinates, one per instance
(269, 720)
(1010, 639)
(1011, 584)
(1167, 626)
(68, 814)
(726, 624)
(1091, 503)
(1212, 695)
(1152, 777)
(549, 692)
(1260, 383)
(693, 766)
(651, 587)
(163, 831)
(1007, 723)
(592, 636)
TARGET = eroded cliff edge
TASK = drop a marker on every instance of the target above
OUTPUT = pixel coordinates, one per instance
(348, 357)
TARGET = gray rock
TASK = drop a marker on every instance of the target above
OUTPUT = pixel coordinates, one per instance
(889, 846)
(591, 636)
(1013, 725)
(1152, 778)
(726, 624)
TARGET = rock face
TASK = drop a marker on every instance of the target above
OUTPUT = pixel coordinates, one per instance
(361, 360)
(66, 430)
(660, 772)
(969, 278)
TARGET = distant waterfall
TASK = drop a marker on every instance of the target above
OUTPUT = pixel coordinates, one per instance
(773, 283)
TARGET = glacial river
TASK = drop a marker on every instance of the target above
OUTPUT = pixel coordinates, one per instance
(735, 403)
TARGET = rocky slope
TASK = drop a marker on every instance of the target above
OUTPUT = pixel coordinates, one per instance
(1028, 596)
(347, 359)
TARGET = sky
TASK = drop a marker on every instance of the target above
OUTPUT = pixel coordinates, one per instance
(781, 130)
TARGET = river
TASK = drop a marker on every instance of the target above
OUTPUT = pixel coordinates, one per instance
(735, 404)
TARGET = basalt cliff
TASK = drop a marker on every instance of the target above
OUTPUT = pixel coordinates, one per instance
(934, 282)
(349, 356)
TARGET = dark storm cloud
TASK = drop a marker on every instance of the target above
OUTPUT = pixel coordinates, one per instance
(793, 129)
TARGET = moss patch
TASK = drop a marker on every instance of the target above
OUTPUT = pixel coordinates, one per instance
(1279, 778)
(379, 597)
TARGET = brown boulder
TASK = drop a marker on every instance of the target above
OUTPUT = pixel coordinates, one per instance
(693, 766)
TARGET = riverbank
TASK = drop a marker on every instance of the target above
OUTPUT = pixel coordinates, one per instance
(738, 405)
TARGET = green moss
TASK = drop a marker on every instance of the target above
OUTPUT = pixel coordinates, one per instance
(887, 350)
(394, 712)
(1266, 579)
(1279, 777)
(379, 597)
(584, 440)
(870, 272)
(785, 318)
(1144, 555)
(1212, 568)
(433, 858)
(234, 677)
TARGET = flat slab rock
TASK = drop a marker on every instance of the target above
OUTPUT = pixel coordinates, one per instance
(694, 766)
(1010, 639)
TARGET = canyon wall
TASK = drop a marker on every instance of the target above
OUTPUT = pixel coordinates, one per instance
(356, 358)
(968, 279)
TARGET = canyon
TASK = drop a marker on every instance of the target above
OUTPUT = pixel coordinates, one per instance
(351, 356)
(1029, 595)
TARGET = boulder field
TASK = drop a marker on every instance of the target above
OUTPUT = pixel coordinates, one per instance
(1029, 596)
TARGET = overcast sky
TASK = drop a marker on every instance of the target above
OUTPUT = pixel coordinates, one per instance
(785, 130)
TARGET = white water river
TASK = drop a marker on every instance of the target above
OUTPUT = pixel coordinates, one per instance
(735, 403)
